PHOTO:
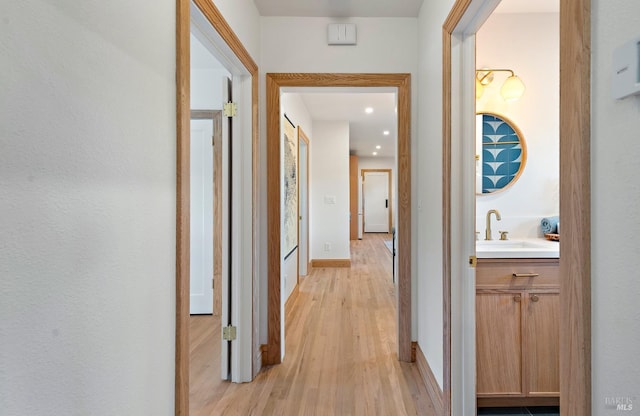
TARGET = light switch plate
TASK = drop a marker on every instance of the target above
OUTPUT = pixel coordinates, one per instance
(330, 199)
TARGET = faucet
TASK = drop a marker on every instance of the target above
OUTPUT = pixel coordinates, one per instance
(487, 233)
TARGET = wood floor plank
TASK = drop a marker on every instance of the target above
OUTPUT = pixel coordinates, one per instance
(341, 356)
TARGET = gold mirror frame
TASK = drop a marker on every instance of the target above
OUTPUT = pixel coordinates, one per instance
(521, 141)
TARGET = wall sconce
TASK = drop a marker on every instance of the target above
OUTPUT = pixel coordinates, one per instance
(512, 89)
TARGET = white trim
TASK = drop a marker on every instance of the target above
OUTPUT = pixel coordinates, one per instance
(463, 344)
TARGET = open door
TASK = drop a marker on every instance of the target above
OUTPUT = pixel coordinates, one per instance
(303, 203)
(225, 322)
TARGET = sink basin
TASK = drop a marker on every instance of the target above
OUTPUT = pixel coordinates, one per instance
(502, 244)
(518, 248)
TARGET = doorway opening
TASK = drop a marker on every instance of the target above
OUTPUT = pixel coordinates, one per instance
(517, 178)
(459, 249)
(274, 348)
(201, 19)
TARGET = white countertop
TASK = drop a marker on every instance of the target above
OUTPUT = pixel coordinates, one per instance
(517, 248)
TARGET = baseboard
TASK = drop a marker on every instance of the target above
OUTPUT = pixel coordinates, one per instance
(263, 355)
(430, 382)
(331, 263)
(288, 304)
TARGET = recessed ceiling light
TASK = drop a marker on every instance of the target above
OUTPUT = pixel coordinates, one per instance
(368, 110)
(378, 147)
(375, 153)
(386, 132)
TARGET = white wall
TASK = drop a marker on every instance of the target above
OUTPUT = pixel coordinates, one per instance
(615, 221)
(295, 44)
(244, 19)
(428, 296)
(206, 77)
(206, 88)
(292, 105)
(529, 45)
(87, 185)
(329, 179)
(299, 44)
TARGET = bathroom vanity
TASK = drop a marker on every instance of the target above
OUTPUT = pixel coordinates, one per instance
(517, 323)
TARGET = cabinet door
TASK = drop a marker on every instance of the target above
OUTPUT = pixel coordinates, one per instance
(542, 345)
(498, 343)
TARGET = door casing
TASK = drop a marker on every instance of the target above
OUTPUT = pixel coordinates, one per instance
(275, 81)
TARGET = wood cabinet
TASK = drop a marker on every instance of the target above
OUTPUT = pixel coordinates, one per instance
(517, 330)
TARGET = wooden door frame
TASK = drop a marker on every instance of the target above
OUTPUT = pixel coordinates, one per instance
(389, 187)
(575, 203)
(183, 110)
(216, 118)
(353, 197)
(275, 81)
(303, 137)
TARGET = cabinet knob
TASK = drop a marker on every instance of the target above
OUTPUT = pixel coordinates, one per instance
(534, 298)
(517, 298)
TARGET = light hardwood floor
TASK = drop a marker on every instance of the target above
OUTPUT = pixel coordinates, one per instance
(341, 351)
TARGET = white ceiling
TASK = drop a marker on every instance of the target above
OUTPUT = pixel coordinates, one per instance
(365, 130)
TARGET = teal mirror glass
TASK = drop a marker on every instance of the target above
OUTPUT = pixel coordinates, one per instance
(501, 153)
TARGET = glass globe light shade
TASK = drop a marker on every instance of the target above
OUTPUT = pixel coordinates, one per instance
(512, 89)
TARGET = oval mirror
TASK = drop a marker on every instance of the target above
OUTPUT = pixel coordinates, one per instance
(501, 153)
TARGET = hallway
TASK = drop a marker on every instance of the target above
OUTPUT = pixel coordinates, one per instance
(340, 350)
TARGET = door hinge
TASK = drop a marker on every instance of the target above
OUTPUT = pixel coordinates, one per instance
(213, 284)
(473, 261)
(229, 333)
(213, 141)
(230, 109)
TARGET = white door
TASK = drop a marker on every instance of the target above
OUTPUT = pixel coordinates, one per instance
(375, 198)
(303, 236)
(201, 217)
(227, 218)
